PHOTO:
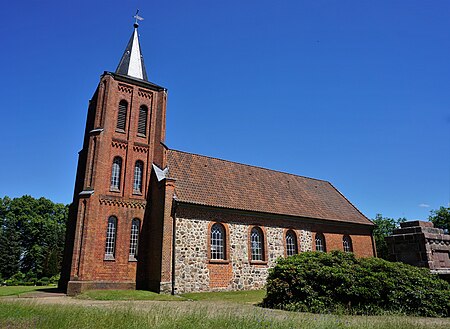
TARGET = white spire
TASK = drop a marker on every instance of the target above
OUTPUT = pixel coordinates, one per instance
(132, 61)
(135, 66)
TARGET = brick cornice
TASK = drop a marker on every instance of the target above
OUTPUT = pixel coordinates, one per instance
(119, 144)
(104, 200)
(125, 88)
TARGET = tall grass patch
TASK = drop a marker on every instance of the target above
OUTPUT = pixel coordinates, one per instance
(190, 315)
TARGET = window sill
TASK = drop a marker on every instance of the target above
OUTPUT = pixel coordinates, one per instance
(115, 190)
(120, 131)
(219, 261)
(137, 193)
(142, 135)
(132, 259)
(258, 262)
(109, 258)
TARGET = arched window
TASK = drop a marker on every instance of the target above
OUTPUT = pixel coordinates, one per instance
(122, 115)
(110, 247)
(134, 238)
(115, 173)
(137, 180)
(291, 243)
(257, 244)
(217, 241)
(320, 242)
(142, 123)
(347, 243)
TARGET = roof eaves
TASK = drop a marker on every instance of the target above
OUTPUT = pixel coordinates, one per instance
(365, 217)
(370, 223)
(136, 81)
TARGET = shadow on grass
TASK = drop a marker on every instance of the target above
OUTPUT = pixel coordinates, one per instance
(52, 290)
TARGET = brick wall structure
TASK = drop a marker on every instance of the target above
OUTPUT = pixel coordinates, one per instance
(420, 244)
(84, 264)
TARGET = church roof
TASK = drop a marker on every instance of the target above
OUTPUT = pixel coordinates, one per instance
(132, 61)
(213, 182)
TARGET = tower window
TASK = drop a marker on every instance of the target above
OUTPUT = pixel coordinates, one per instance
(320, 242)
(111, 238)
(115, 174)
(257, 244)
(347, 243)
(217, 241)
(142, 123)
(122, 115)
(134, 238)
(137, 180)
(291, 243)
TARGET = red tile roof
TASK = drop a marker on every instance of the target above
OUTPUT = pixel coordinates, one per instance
(209, 181)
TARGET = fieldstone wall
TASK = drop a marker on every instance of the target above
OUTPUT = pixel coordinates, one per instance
(193, 268)
(191, 272)
(306, 240)
(194, 271)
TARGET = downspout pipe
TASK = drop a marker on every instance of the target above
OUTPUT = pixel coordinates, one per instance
(174, 218)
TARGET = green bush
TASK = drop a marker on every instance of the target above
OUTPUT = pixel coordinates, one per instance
(54, 279)
(16, 280)
(43, 281)
(338, 282)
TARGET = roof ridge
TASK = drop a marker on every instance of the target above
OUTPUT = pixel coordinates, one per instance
(252, 166)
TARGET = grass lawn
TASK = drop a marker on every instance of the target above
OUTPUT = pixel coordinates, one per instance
(154, 314)
(249, 296)
(17, 290)
(143, 309)
(126, 295)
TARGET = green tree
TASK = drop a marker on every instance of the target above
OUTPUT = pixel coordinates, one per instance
(441, 218)
(9, 242)
(31, 236)
(384, 226)
(9, 252)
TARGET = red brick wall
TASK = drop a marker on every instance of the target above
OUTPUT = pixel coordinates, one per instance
(220, 275)
(85, 243)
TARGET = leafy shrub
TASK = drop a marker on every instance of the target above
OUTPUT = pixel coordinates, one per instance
(54, 279)
(16, 280)
(340, 283)
(43, 281)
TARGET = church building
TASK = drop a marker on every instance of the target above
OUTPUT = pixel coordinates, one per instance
(145, 216)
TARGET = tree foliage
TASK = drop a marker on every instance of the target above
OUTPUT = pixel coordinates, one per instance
(31, 236)
(338, 282)
(441, 218)
(384, 226)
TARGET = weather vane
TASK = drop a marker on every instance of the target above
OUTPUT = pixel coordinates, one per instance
(137, 18)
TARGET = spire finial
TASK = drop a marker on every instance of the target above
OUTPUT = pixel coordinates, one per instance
(137, 18)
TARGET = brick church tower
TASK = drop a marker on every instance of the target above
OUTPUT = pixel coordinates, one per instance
(123, 141)
(223, 229)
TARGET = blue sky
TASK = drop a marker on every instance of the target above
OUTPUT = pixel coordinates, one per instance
(354, 92)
